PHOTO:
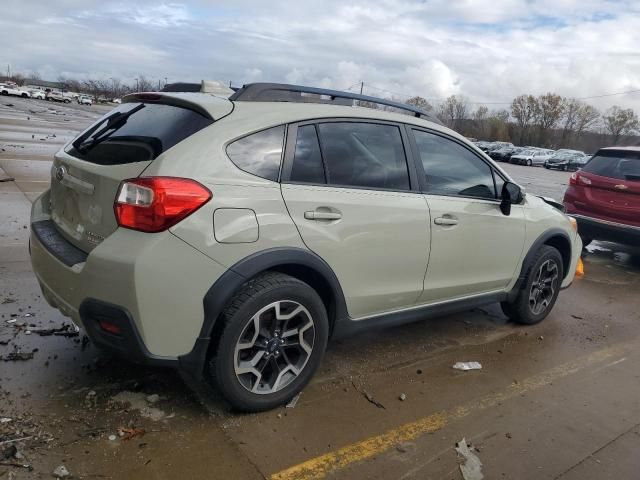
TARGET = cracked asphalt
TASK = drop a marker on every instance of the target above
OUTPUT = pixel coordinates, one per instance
(559, 400)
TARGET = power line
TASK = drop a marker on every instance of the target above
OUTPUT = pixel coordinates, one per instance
(408, 95)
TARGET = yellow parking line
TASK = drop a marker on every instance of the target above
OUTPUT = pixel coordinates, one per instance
(320, 466)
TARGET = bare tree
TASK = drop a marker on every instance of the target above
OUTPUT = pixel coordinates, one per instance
(549, 111)
(588, 117)
(453, 111)
(144, 85)
(421, 103)
(620, 121)
(524, 109)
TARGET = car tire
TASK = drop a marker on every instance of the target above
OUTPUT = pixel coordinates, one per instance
(564, 168)
(67, 100)
(541, 286)
(529, 163)
(251, 321)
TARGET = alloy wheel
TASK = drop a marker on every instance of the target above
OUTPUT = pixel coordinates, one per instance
(543, 287)
(274, 347)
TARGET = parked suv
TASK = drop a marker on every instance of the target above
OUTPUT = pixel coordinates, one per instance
(57, 97)
(604, 196)
(231, 238)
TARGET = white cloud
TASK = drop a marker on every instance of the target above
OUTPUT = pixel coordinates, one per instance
(487, 50)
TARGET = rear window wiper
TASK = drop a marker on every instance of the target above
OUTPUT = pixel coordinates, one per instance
(113, 123)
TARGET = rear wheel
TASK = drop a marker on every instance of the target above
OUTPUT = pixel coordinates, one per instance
(529, 163)
(274, 337)
(540, 290)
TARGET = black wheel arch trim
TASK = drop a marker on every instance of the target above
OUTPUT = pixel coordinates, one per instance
(528, 259)
(229, 282)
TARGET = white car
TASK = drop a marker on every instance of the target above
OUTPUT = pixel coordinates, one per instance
(532, 157)
(84, 100)
(37, 94)
(13, 90)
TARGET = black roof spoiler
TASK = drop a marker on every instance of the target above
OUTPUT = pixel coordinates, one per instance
(281, 92)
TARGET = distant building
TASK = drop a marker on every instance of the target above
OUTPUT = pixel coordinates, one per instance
(36, 84)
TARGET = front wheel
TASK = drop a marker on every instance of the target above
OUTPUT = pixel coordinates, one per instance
(540, 291)
(67, 101)
(274, 337)
(529, 163)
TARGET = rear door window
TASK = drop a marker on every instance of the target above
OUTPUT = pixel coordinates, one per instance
(307, 160)
(259, 153)
(136, 132)
(620, 164)
(365, 155)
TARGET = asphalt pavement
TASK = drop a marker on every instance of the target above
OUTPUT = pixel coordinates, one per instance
(559, 400)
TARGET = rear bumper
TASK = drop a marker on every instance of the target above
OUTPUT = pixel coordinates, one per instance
(152, 284)
(590, 227)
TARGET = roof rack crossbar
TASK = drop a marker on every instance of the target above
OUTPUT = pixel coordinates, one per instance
(281, 92)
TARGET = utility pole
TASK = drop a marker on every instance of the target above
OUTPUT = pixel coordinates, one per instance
(165, 81)
(137, 89)
(361, 87)
(8, 72)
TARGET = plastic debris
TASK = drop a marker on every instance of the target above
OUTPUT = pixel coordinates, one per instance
(5, 420)
(467, 366)
(112, 438)
(61, 472)
(293, 402)
(402, 397)
(153, 398)
(471, 466)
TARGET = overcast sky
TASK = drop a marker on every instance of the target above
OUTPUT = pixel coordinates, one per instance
(489, 51)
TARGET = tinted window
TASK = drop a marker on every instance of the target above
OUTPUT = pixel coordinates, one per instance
(451, 169)
(622, 165)
(138, 132)
(307, 161)
(259, 153)
(364, 155)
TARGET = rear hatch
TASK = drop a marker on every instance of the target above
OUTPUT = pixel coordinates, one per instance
(610, 182)
(86, 174)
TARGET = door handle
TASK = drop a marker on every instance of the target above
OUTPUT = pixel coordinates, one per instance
(316, 215)
(445, 221)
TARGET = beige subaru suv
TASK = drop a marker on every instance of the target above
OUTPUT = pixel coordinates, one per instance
(231, 238)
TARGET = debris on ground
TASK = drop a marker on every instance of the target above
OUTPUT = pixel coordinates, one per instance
(293, 402)
(91, 399)
(577, 317)
(61, 472)
(402, 397)
(16, 356)
(5, 420)
(138, 401)
(9, 452)
(7, 300)
(540, 337)
(470, 466)
(113, 438)
(7, 179)
(129, 433)
(63, 331)
(467, 366)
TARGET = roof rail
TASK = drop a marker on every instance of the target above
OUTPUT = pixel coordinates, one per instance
(281, 92)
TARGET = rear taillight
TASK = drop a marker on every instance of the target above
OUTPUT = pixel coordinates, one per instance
(577, 179)
(153, 204)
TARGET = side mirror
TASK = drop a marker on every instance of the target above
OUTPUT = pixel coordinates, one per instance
(511, 193)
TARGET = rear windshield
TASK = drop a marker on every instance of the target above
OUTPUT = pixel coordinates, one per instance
(136, 132)
(621, 164)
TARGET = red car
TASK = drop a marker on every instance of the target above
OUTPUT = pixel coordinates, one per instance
(604, 197)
